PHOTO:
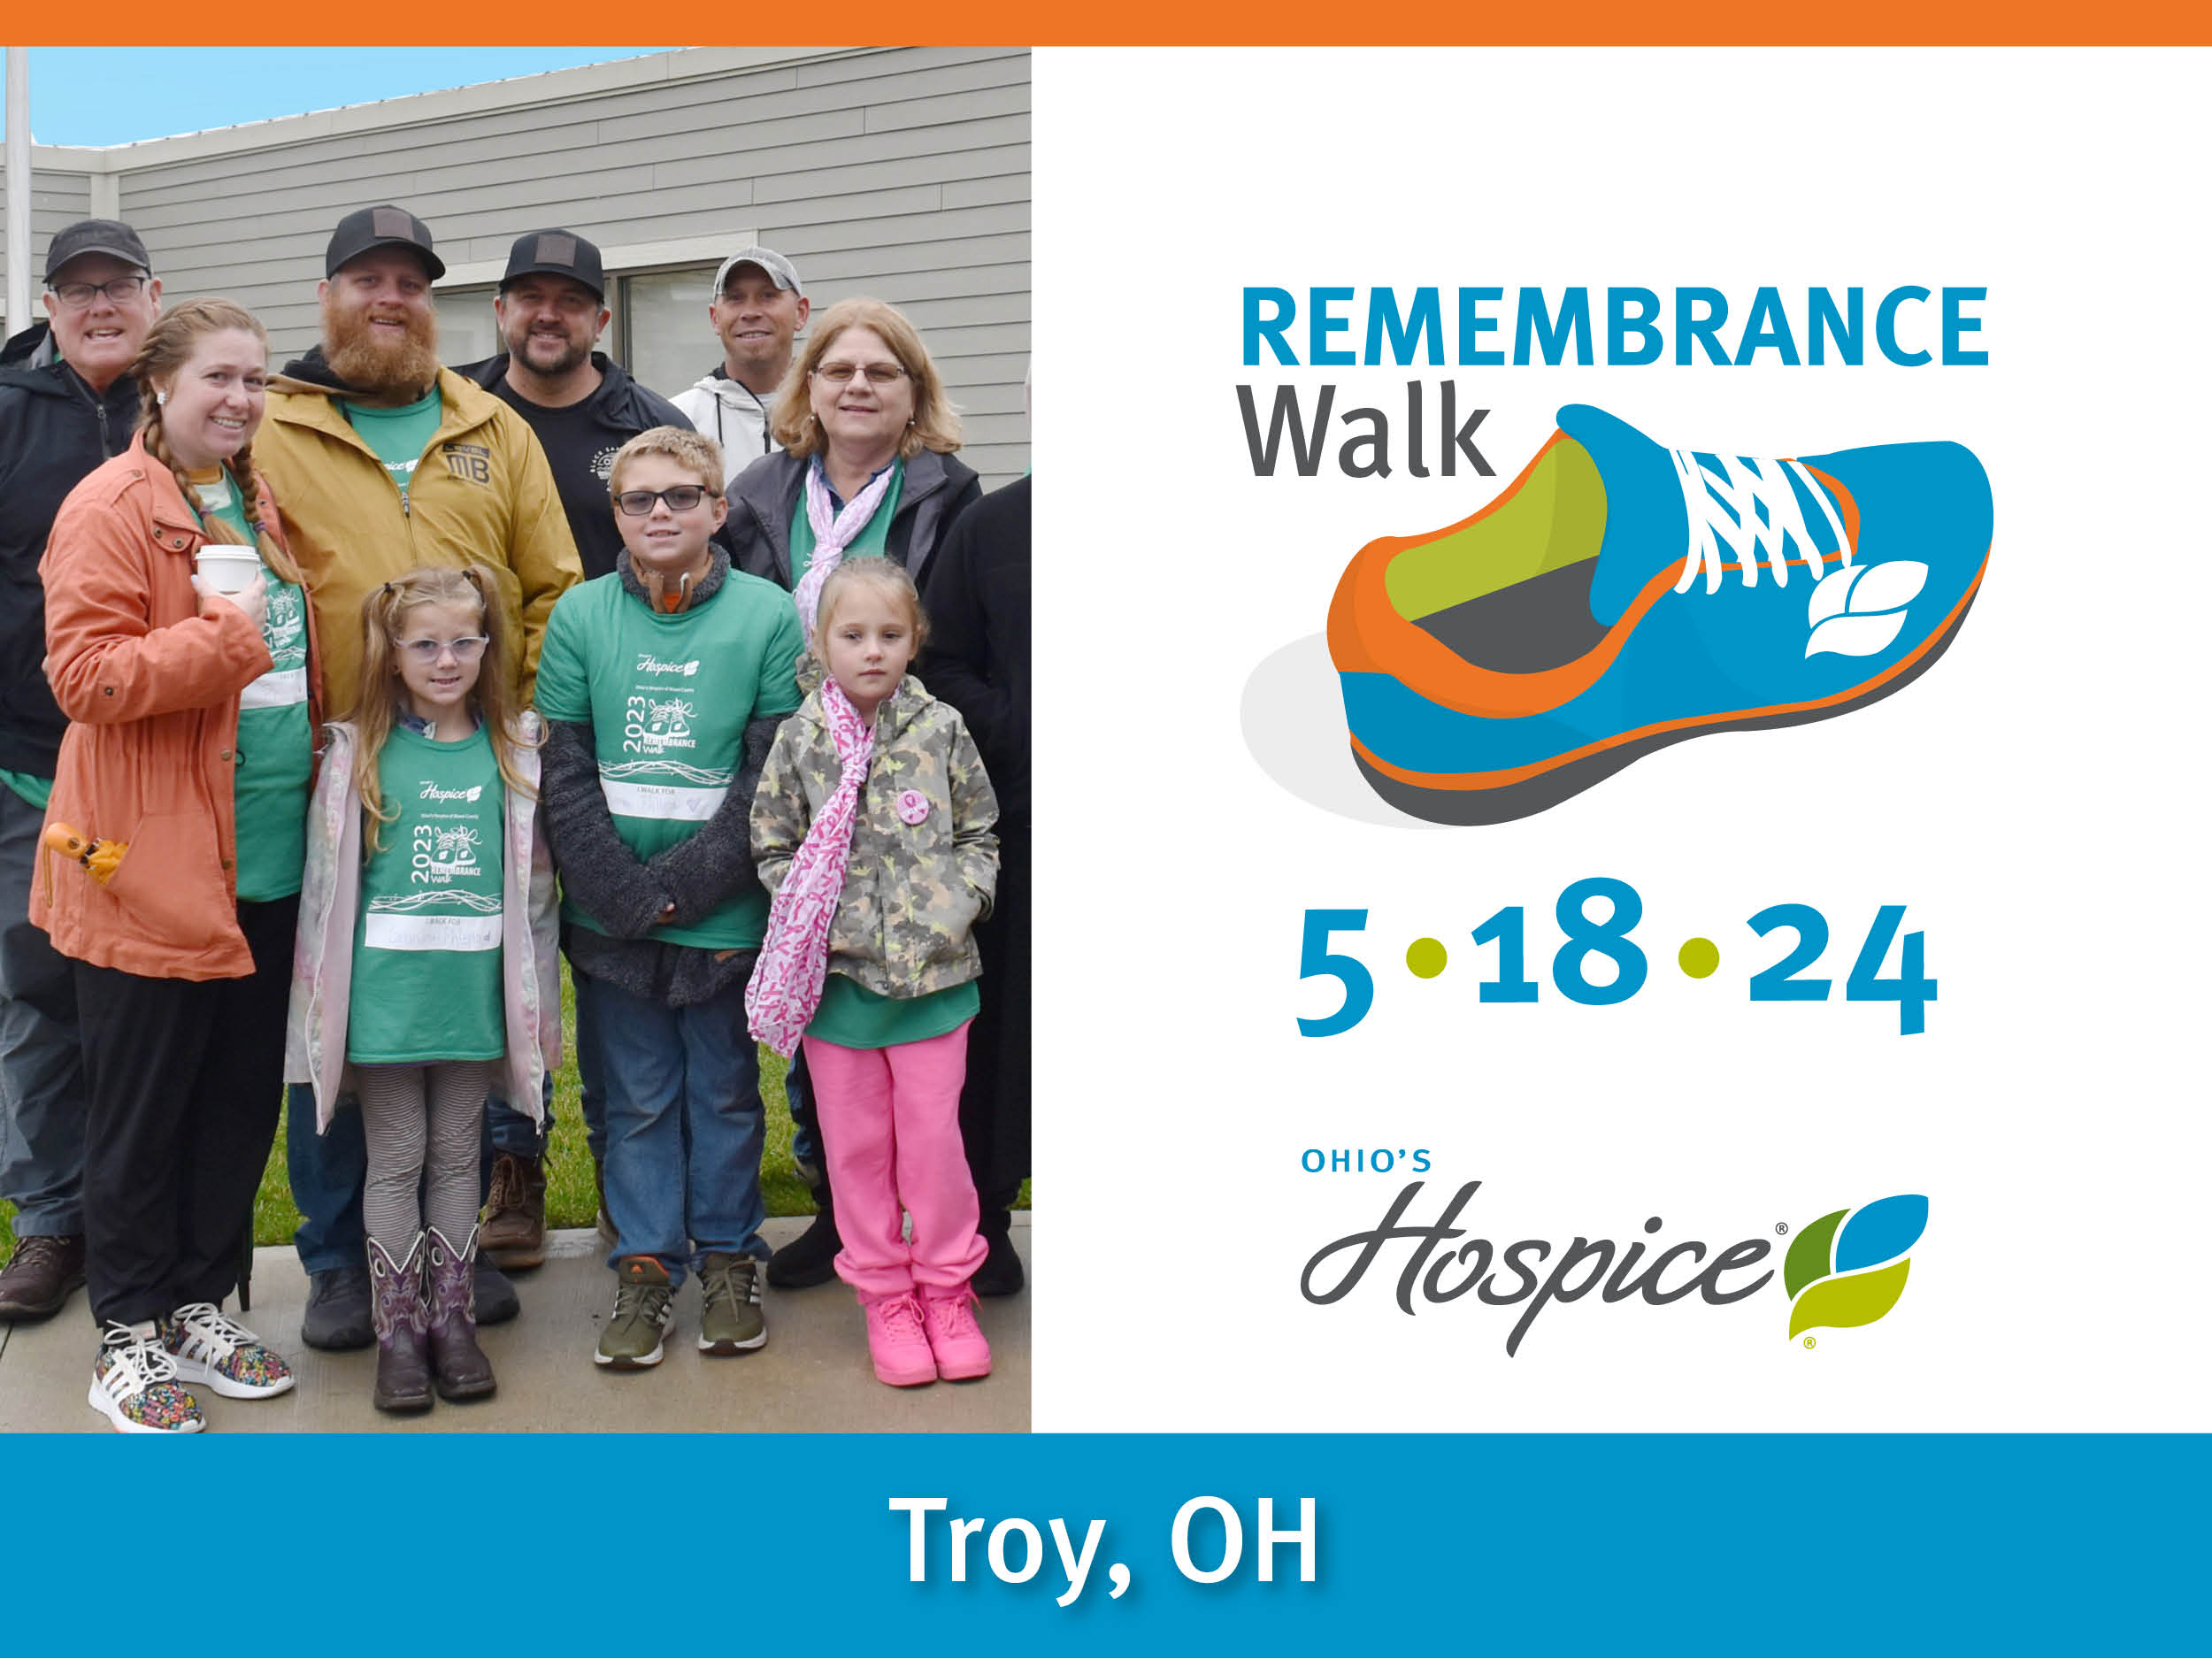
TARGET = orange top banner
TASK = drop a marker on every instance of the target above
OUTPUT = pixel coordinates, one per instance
(1297, 23)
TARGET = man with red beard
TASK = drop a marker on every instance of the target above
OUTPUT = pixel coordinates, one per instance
(383, 462)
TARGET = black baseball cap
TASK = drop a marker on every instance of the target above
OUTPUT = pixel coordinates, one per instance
(109, 237)
(384, 227)
(556, 253)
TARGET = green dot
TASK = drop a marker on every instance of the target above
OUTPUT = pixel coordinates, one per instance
(1698, 958)
(1425, 958)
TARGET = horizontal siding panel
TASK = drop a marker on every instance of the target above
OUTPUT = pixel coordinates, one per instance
(943, 169)
(1006, 186)
(866, 65)
(917, 257)
(906, 74)
(933, 112)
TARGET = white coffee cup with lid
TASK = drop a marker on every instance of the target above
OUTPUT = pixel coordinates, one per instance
(229, 568)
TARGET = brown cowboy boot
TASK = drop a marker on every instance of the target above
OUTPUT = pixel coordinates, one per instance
(403, 1368)
(463, 1372)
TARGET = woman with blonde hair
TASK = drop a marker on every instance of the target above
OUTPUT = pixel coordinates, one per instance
(867, 468)
(177, 834)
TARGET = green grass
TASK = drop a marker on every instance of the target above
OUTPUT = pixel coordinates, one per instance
(569, 1201)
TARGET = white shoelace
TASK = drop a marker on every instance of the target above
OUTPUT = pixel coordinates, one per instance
(140, 1362)
(209, 1336)
(1746, 485)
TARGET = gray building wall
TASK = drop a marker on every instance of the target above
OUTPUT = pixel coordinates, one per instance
(899, 173)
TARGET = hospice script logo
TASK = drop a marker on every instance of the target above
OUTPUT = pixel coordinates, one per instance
(1846, 1269)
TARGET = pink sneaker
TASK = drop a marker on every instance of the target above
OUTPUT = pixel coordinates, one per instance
(954, 1339)
(898, 1346)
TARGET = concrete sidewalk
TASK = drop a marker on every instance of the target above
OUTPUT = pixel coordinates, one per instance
(811, 1378)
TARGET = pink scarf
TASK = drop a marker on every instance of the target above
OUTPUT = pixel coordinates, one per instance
(787, 984)
(833, 531)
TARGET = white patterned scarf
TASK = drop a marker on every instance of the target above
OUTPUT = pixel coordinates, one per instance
(787, 984)
(833, 531)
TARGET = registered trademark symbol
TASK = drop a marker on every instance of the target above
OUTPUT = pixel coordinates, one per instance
(1781, 1227)
(1810, 1343)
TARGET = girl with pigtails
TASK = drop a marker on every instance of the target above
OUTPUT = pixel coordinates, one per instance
(427, 976)
(180, 646)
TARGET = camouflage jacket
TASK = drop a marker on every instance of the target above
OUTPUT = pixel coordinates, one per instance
(912, 890)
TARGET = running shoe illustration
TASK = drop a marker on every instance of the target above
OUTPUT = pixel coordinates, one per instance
(1621, 596)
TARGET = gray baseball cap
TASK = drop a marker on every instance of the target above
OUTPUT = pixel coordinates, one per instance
(781, 271)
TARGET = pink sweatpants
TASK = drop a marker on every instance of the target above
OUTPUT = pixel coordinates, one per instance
(891, 1134)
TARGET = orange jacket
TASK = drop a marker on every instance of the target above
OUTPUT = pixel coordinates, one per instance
(149, 674)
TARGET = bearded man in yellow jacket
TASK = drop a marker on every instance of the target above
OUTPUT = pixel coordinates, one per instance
(384, 462)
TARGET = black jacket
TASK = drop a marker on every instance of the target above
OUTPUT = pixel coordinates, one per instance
(977, 598)
(937, 490)
(54, 430)
(580, 443)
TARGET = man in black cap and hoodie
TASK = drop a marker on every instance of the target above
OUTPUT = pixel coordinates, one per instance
(381, 462)
(66, 405)
(583, 406)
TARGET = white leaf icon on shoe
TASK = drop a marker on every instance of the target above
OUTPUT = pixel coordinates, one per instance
(1857, 610)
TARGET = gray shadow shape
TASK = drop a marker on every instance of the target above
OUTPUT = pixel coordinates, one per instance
(1292, 718)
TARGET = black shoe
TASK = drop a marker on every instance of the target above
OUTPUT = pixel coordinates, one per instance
(812, 1257)
(338, 1309)
(496, 1299)
(1000, 1274)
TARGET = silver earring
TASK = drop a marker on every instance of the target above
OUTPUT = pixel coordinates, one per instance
(161, 400)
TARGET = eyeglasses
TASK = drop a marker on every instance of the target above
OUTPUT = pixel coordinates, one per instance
(77, 296)
(680, 498)
(428, 651)
(878, 374)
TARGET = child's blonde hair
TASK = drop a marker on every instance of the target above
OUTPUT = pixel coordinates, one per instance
(692, 450)
(382, 612)
(887, 576)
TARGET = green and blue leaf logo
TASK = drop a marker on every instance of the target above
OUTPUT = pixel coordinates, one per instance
(1850, 1268)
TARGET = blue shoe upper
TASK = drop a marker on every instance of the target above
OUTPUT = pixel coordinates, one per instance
(1740, 649)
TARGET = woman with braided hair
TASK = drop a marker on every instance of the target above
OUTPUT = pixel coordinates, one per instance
(178, 825)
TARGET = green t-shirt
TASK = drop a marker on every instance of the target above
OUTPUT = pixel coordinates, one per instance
(399, 436)
(870, 543)
(31, 788)
(853, 1017)
(669, 698)
(276, 745)
(426, 948)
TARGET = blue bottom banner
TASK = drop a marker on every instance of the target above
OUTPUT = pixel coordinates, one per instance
(1149, 1544)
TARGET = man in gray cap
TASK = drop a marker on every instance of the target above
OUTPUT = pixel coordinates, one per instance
(758, 310)
(382, 461)
(66, 405)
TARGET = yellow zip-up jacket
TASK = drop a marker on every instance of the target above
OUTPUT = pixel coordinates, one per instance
(482, 493)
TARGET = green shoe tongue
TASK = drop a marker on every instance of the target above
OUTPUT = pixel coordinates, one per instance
(1646, 528)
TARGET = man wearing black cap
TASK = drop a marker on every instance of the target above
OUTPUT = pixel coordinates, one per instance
(583, 406)
(66, 405)
(382, 461)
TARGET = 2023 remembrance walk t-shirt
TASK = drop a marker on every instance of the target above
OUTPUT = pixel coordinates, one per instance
(669, 698)
(276, 749)
(426, 946)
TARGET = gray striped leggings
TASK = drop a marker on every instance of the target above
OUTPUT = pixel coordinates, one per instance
(423, 1125)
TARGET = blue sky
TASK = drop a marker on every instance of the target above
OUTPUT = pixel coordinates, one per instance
(119, 94)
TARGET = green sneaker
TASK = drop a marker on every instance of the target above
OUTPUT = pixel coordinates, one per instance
(632, 1340)
(729, 1312)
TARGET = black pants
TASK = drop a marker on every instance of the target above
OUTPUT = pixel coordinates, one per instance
(185, 1080)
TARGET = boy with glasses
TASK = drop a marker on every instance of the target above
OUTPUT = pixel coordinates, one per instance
(663, 686)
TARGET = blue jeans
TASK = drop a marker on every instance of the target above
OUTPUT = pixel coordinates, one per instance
(507, 1130)
(326, 1172)
(684, 1129)
(806, 1126)
(43, 1102)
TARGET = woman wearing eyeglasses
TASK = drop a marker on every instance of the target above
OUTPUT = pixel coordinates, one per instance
(867, 466)
(176, 841)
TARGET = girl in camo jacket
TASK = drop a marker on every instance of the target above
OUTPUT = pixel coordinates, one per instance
(872, 828)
